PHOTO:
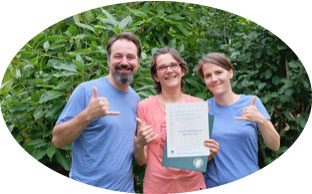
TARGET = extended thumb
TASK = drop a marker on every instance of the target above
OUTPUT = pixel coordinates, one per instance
(95, 92)
(254, 101)
(140, 122)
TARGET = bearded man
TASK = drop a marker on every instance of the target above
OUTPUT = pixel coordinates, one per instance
(99, 120)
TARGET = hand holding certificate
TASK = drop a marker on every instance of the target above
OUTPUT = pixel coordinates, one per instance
(187, 128)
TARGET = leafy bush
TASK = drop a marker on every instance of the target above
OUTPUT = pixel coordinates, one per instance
(42, 75)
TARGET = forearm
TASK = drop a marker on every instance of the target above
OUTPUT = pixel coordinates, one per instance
(67, 132)
(140, 154)
(269, 134)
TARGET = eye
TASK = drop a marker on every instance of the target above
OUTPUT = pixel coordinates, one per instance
(207, 75)
(117, 56)
(130, 57)
(161, 67)
(174, 65)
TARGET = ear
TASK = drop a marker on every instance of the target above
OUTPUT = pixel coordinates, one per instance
(108, 61)
(156, 77)
(183, 72)
(231, 74)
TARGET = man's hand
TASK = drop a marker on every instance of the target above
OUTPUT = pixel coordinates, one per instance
(98, 106)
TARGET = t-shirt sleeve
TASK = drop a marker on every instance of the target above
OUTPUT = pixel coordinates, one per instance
(75, 104)
(262, 109)
(140, 111)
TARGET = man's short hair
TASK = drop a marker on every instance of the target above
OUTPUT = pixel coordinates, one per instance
(127, 36)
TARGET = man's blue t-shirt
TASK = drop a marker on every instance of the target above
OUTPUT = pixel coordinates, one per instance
(102, 154)
(238, 140)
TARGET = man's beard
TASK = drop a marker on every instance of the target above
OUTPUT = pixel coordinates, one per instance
(123, 78)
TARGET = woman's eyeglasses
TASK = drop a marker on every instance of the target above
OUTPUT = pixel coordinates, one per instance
(163, 68)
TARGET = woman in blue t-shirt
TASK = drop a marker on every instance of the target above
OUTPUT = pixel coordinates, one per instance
(238, 119)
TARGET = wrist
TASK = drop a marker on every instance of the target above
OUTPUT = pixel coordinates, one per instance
(138, 144)
(261, 120)
(86, 116)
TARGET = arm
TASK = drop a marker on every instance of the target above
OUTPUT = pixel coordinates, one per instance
(269, 134)
(140, 153)
(67, 132)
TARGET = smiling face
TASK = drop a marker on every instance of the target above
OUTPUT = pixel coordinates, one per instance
(123, 61)
(217, 79)
(168, 72)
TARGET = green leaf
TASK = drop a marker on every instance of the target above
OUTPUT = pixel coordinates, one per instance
(175, 16)
(64, 74)
(52, 112)
(85, 26)
(72, 30)
(38, 114)
(137, 12)
(50, 95)
(46, 45)
(40, 154)
(62, 160)
(38, 37)
(268, 74)
(261, 86)
(276, 80)
(183, 30)
(35, 142)
(124, 22)
(111, 20)
(51, 151)
(61, 65)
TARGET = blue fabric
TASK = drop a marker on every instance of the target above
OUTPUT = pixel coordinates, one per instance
(238, 140)
(102, 154)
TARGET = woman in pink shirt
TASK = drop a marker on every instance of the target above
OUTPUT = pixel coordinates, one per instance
(168, 70)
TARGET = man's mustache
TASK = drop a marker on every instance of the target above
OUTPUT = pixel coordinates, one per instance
(125, 67)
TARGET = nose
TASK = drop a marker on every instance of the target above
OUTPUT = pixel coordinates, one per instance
(168, 69)
(213, 77)
(124, 60)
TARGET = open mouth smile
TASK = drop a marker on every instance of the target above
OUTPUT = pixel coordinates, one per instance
(170, 77)
(124, 68)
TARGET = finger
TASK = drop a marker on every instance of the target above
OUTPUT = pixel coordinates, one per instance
(153, 138)
(140, 122)
(213, 146)
(95, 92)
(253, 103)
(240, 118)
(113, 113)
(147, 130)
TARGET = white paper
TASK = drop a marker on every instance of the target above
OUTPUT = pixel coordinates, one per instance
(187, 128)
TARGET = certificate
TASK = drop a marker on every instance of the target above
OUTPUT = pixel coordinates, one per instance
(187, 128)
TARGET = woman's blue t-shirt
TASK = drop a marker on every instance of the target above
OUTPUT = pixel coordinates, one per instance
(238, 140)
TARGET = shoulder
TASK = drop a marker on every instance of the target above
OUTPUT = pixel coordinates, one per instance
(210, 101)
(249, 98)
(190, 98)
(246, 96)
(87, 85)
(132, 92)
(147, 101)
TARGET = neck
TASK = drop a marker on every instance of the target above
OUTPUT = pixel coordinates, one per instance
(121, 87)
(171, 96)
(227, 98)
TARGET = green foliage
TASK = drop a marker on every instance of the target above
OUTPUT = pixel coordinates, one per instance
(42, 75)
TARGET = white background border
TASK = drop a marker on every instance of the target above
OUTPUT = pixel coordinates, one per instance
(22, 20)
